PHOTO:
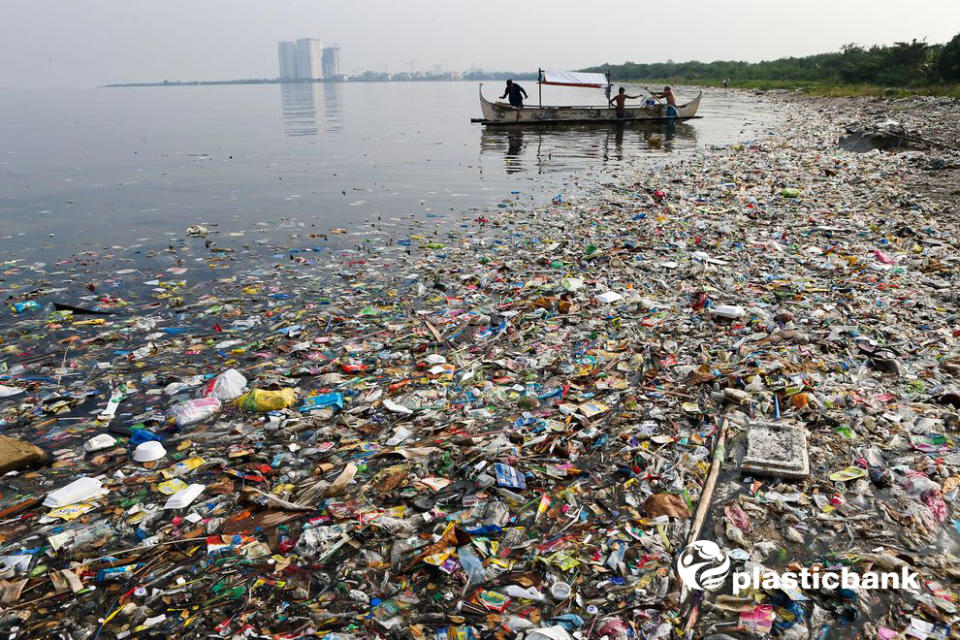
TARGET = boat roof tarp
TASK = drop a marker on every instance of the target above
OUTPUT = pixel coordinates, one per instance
(574, 79)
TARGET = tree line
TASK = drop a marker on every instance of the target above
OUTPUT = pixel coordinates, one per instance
(901, 64)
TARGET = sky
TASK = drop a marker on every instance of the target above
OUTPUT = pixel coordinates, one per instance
(92, 42)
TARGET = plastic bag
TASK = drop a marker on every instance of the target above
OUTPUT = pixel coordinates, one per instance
(759, 620)
(263, 400)
(227, 386)
(916, 484)
(193, 411)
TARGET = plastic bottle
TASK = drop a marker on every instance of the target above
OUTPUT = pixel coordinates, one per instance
(728, 311)
(472, 565)
(95, 534)
(516, 591)
(26, 305)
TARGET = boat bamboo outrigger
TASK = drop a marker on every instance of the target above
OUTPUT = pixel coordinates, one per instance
(498, 113)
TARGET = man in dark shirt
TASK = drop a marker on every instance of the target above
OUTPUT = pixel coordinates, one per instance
(514, 90)
(621, 100)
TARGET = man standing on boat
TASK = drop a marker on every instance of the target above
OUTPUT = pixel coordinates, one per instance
(668, 94)
(621, 100)
(514, 90)
(671, 100)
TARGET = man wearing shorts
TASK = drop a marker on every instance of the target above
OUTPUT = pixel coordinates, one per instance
(621, 99)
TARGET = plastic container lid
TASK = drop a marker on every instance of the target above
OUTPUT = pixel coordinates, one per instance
(183, 498)
(80, 489)
(149, 451)
(100, 441)
(560, 590)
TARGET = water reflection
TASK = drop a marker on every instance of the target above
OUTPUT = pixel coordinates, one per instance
(543, 149)
(299, 102)
(299, 109)
(332, 109)
(514, 147)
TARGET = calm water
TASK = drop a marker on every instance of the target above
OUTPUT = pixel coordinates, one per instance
(91, 168)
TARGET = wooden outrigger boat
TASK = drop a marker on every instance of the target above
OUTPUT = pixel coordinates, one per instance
(499, 113)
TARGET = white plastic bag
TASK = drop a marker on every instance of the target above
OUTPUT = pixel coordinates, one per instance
(227, 386)
(193, 411)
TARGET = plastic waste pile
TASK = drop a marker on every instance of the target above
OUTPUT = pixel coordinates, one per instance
(502, 429)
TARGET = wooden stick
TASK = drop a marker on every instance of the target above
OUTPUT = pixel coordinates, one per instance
(703, 506)
(144, 548)
(40, 599)
(433, 330)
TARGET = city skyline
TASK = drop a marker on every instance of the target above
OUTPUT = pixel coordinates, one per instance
(307, 59)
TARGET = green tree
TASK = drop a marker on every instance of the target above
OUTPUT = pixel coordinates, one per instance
(902, 64)
(948, 66)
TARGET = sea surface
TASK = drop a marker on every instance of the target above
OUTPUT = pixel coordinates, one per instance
(89, 169)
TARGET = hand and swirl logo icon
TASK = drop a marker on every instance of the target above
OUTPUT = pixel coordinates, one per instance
(703, 565)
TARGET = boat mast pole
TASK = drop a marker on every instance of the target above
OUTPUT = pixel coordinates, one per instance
(540, 85)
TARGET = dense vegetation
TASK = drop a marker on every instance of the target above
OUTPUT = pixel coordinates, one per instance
(903, 64)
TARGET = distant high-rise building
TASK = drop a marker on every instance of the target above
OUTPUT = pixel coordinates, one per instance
(331, 62)
(287, 53)
(301, 60)
(310, 59)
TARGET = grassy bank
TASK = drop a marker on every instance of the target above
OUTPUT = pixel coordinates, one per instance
(817, 89)
(857, 90)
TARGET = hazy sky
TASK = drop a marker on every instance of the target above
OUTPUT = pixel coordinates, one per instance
(88, 42)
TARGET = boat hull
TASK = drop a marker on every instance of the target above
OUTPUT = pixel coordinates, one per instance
(497, 113)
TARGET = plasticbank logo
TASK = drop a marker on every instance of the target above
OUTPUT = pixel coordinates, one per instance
(704, 566)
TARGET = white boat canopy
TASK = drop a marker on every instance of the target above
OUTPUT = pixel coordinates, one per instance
(573, 79)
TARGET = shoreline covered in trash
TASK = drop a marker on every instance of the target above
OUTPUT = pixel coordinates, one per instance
(504, 429)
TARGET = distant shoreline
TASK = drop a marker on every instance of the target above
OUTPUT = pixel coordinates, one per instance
(195, 83)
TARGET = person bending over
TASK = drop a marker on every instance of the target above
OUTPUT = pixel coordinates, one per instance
(514, 91)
